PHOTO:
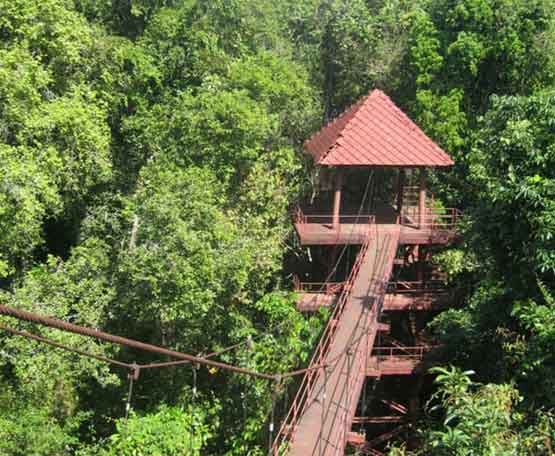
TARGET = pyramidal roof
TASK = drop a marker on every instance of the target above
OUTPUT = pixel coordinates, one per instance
(374, 132)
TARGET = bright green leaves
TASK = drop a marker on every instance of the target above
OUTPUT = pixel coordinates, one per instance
(506, 331)
(359, 45)
(534, 355)
(27, 427)
(280, 85)
(468, 50)
(463, 51)
(175, 264)
(42, 385)
(54, 135)
(28, 195)
(226, 131)
(23, 81)
(74, 130)
(437, 110)
(61, 153)
(480, 419)
(228, 124)
(61, 39)
(424, 48)
(170, 431)
(512, 166)
(441, 117)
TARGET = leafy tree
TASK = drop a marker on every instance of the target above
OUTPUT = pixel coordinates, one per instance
(169, 431)
(479, 419)
(511, 166)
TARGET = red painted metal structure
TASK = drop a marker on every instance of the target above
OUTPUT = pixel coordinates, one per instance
(305, 391)
(372, 133)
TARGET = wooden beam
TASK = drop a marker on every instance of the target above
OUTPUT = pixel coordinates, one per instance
(378, 419)
(395, 406)
(337, 198)
(383, 327)
(400, 189)
(422, 198)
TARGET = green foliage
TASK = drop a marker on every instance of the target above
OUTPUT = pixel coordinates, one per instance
(72, 129)
(478, 419)
(28, 196)
(30, 429)
(455, 262)
(170, 431)
(511, 164)
(149, 154)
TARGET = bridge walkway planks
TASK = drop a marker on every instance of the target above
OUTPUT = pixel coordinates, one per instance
(334, 399)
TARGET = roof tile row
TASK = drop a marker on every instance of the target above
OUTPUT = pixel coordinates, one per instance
(374, 132)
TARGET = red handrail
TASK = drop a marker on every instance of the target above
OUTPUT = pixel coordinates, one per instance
(361, 355)
(301, 218)
(404, 286)
(287, 429)
(433, 218)
(417, 352)
(318, 287)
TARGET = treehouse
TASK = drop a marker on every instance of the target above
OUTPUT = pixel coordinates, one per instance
(371, 164)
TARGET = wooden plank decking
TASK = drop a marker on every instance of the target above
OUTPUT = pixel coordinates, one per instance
(331, 407)
(432, 300)
(349, 233)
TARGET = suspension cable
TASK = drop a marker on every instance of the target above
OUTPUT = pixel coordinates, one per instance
(44, 340)
(70, 327)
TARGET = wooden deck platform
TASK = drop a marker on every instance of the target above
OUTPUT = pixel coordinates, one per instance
(311, 302)
(394, 366)
(432, 300)
(331, 407)
(355, 234)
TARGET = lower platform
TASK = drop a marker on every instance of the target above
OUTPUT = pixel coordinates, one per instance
(355, 234)
(393, 302)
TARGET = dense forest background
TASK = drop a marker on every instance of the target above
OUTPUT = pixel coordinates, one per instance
(149, 154)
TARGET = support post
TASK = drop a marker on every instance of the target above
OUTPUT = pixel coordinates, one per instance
(421, 263)
(400, 190)
(337, 198)
(414, 404)
(422, 199)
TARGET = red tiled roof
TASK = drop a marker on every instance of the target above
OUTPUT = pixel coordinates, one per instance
(374, 132)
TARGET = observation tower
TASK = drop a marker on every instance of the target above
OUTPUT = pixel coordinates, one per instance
(371, 228)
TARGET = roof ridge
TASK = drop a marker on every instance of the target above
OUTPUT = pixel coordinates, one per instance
(374, 131)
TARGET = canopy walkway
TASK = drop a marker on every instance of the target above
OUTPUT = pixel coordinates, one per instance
(321, 416)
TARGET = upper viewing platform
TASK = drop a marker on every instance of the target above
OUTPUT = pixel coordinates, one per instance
(372, 163)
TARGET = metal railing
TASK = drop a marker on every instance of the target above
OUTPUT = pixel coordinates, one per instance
(363, 347)
(304, 393)
(433, 218)
(404, 286)
(300, 217)
(418, 353)
(317, 287)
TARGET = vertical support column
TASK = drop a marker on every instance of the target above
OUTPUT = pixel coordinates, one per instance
(420, 265)
(400, 189)
(337, 198)
(413, 409)
(422, 199)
